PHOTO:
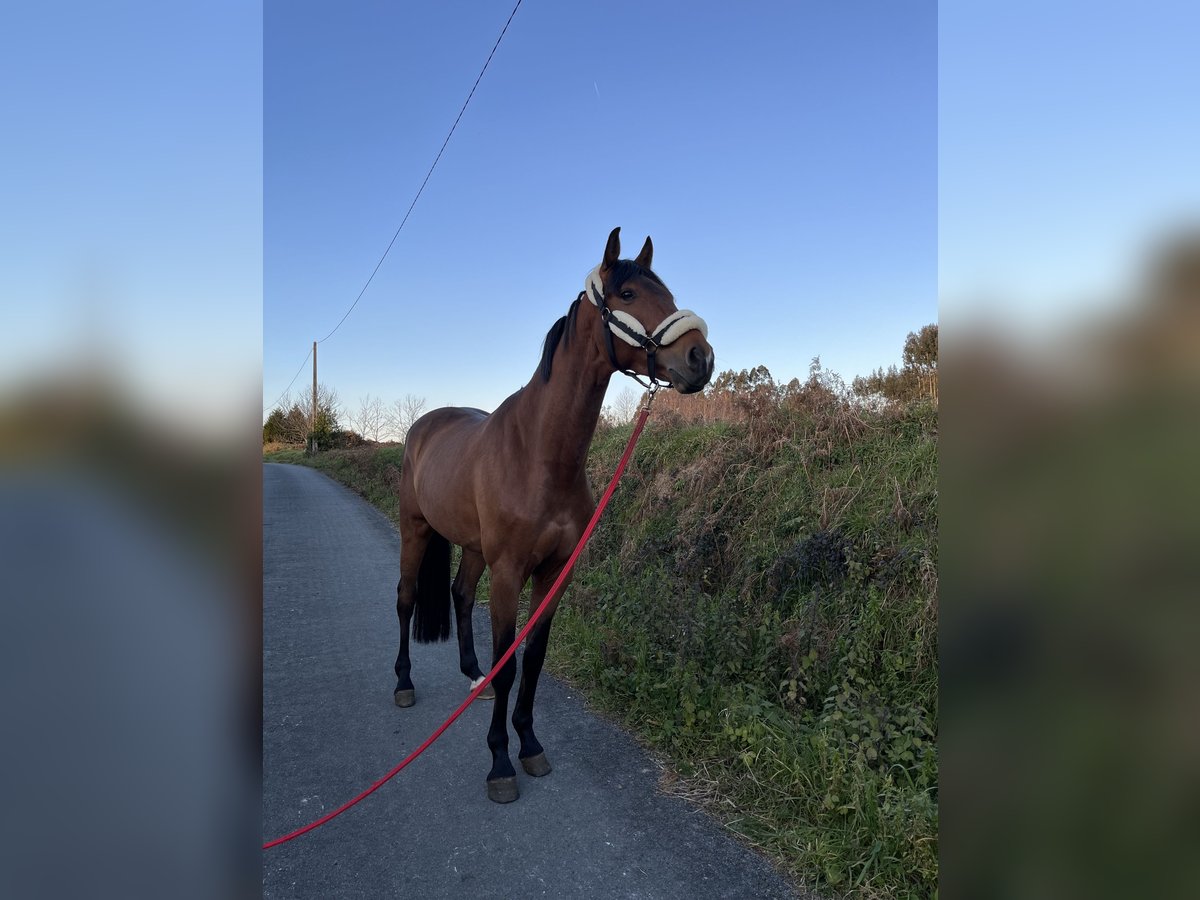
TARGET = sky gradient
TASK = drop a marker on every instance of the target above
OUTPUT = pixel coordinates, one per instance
(782, 156)
(191, 193)
(131, 202)
(1067, 146)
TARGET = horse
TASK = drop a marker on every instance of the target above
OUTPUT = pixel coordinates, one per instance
(510, 487)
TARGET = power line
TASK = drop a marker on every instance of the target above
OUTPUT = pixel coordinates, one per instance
(420, 190)
(427, 174)
(289, 383)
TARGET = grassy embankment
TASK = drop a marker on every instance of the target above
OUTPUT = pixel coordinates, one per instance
(759, 605)
(363, 469)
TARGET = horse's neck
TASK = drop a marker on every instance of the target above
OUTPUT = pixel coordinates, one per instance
(562, 413)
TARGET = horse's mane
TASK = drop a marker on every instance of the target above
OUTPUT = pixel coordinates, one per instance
(564, 327)
(622, 271)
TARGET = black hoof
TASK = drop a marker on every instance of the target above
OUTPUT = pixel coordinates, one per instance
(537, 766)
(503, 790)
(405, 699)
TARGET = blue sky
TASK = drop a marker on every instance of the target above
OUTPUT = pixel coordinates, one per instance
(1068, 143)
(131, 199)
(782, 156)
(815, 177)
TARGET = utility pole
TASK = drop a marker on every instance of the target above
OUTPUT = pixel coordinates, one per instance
(313, 430)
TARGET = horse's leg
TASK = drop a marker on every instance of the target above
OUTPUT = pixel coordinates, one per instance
(507, 581)
(414, 538)
(532, 756)
(469, 572)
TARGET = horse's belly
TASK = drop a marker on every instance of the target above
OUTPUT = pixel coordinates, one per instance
(442, 488)
(457, 523)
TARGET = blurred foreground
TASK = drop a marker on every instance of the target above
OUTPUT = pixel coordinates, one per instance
(1070, 529)
(129, 520)
(131, 627)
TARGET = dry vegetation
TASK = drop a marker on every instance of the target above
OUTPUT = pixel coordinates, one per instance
(760, 606)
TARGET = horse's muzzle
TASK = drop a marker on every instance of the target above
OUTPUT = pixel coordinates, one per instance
(692, 373)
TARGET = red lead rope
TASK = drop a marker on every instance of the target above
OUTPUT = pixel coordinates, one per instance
(508, 654)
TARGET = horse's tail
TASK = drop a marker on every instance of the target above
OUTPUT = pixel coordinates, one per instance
(431, 613)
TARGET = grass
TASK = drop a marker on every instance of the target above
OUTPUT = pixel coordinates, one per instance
(759, 606)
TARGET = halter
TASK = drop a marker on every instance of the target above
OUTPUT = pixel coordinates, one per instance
(632, 332)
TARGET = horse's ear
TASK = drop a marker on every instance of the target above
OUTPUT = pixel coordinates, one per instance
(643, 258)
(613, 249)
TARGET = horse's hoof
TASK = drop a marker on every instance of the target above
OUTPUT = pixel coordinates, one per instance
(503, 790)
(405, 699)
(488, 693)
(537, 766)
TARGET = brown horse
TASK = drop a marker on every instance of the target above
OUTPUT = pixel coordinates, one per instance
(511, 490)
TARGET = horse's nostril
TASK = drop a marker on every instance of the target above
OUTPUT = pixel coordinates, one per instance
(696, 359)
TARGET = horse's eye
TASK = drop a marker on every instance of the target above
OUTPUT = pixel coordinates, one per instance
(626, 295)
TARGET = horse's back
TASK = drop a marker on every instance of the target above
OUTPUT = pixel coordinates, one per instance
(449, 430)
(446, 419)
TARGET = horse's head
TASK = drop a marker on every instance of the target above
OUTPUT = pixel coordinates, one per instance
(645, 332)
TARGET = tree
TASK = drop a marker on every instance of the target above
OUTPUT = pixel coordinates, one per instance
(275, 427)
(288, 423)
(372, 417)
(897, 385)
(921, 357)
(624, 406)
(329, 413)
(403, 414)
(747, 381)
(291, 422)
(921, 348)
(918, 377)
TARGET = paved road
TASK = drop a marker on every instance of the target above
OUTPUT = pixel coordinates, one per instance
(594, 828)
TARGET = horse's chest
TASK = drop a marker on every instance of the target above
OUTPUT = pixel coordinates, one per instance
(535, 523)
(540, 537)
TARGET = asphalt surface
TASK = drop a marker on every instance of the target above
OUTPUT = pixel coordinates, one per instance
(596, 827)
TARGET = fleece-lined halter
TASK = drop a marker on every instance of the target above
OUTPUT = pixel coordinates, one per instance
(632, 332)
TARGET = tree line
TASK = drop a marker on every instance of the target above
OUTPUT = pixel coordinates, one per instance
(742, 396)
(915, 380)
(731, 397)
(292, 420)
